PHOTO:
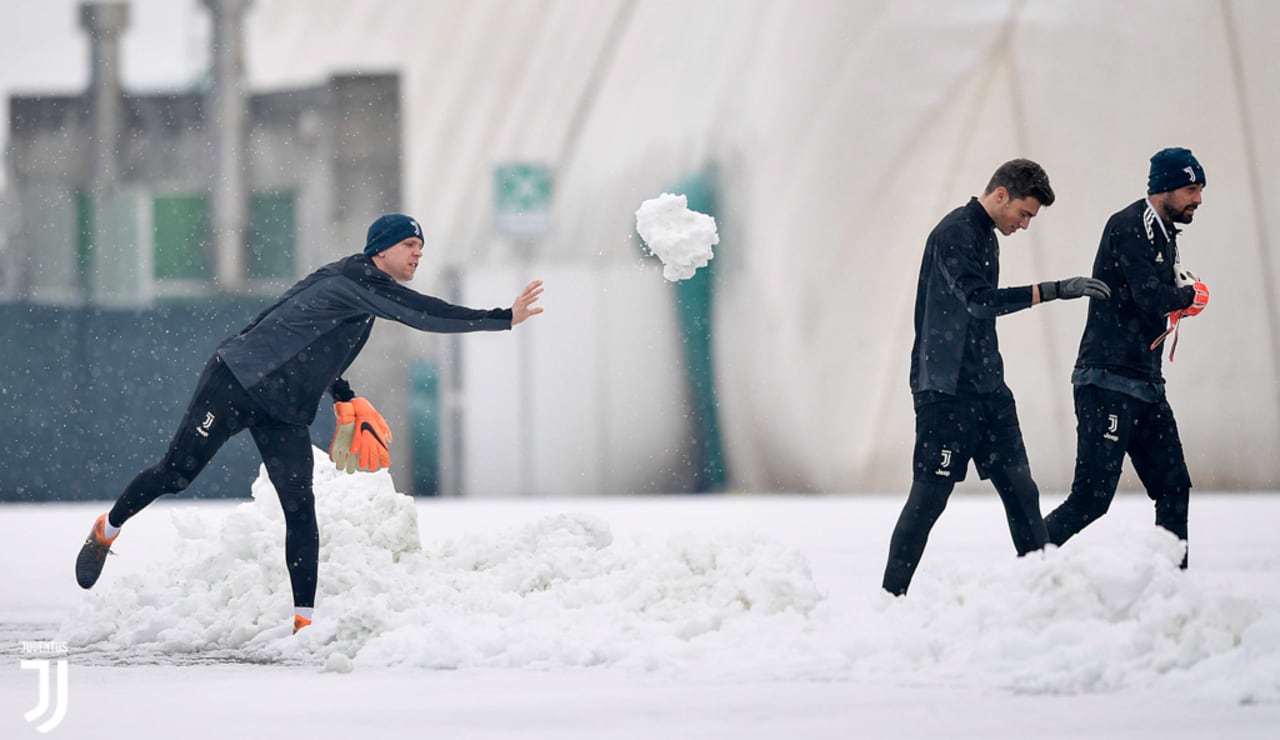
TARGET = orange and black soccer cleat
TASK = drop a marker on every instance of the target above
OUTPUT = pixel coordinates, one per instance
(299, 622)
(93, 554)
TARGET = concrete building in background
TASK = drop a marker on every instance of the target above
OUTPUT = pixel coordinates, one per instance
(119, 199)
(138, 230)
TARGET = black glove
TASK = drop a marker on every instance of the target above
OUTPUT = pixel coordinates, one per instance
(1076, 287)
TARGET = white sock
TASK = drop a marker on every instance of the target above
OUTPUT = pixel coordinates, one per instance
(109, 531)
(304, 611)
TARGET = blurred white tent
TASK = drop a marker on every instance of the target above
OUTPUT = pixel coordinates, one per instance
(842, 131)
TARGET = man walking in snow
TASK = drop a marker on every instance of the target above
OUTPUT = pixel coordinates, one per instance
(269, 378)
(1119, 387)
(964, 410)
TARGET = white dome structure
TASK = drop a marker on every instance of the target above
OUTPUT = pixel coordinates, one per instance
(840, 132)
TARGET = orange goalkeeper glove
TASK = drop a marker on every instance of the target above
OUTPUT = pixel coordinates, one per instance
(343, 436)
(1200, 301)
(372, 438)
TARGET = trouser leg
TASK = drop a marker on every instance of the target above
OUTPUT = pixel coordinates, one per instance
(286, 452)
(219, 409)
(924, 505)
(1021, 499)
(1159, 461)
(1171, 513)
(1104, 426)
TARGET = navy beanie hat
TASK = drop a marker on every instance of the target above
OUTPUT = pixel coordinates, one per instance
(388, 230)
(1173, 168)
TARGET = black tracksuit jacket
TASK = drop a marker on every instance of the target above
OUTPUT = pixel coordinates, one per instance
(300, 346)
(1135, 259)
(956, 351)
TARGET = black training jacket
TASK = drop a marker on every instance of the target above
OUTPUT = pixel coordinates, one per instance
(1135, 258)
(302, 343)
(956, 351)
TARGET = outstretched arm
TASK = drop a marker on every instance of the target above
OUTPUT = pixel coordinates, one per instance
(523, 307)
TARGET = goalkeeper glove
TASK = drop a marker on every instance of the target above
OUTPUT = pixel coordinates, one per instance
(1076, 287)
(372, 437)
(1200, 301)
(343, 436)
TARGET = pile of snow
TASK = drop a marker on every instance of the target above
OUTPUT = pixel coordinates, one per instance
(681, 238)
(1076, 620)
(557, 592)
(562, 592)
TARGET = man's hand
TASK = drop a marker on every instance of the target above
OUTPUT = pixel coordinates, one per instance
(1075, 287)
(520, 310)
(1200, 301)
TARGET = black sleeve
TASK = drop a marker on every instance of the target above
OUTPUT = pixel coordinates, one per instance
(378, 294)
(958, 262)
(1151, 294)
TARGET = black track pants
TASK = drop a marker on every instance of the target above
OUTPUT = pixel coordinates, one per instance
(924, 505)
(1109, 426)
(1021, 499)
(220, 408)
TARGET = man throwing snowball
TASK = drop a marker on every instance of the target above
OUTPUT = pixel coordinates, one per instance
(1119, 388)
(269, 379)
(964, 410)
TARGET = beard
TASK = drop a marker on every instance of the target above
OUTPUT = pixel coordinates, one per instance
(1184, 215)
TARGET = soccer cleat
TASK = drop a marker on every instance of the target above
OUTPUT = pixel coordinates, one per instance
(93, 554)
(299, 622)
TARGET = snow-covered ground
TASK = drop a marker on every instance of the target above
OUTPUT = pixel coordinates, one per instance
(686, 617)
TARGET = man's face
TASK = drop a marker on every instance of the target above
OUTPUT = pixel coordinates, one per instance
(1180, 205)
(1010, 214)
(400, 261)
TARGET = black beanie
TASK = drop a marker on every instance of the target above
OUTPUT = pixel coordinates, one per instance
(388, 230)
(1173, 168)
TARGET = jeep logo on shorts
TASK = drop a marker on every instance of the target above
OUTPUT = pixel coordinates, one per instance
(946, 463)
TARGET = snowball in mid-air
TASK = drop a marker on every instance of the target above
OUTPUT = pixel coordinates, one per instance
(681, 238)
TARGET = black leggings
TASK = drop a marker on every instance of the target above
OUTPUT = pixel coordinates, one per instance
(925, 503)
(220, 408)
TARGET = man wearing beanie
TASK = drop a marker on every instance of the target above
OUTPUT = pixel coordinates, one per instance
(964, 410)
(269, 378)
(1119, 389)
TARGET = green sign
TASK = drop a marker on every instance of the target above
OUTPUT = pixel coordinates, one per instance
(522, 200)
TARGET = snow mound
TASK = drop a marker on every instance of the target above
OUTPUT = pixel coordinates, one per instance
(555, 592)
(563, 592)
(1077, 620)
(681, 238)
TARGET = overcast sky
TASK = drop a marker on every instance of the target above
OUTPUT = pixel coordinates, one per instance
(44, 50)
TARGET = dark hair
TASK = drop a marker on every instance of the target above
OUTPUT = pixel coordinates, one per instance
(1022, 178)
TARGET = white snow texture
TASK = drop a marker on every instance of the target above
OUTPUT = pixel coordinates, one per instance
(681, 238)
(561, 592)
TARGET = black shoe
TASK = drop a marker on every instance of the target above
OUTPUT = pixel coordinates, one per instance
(93, 554)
